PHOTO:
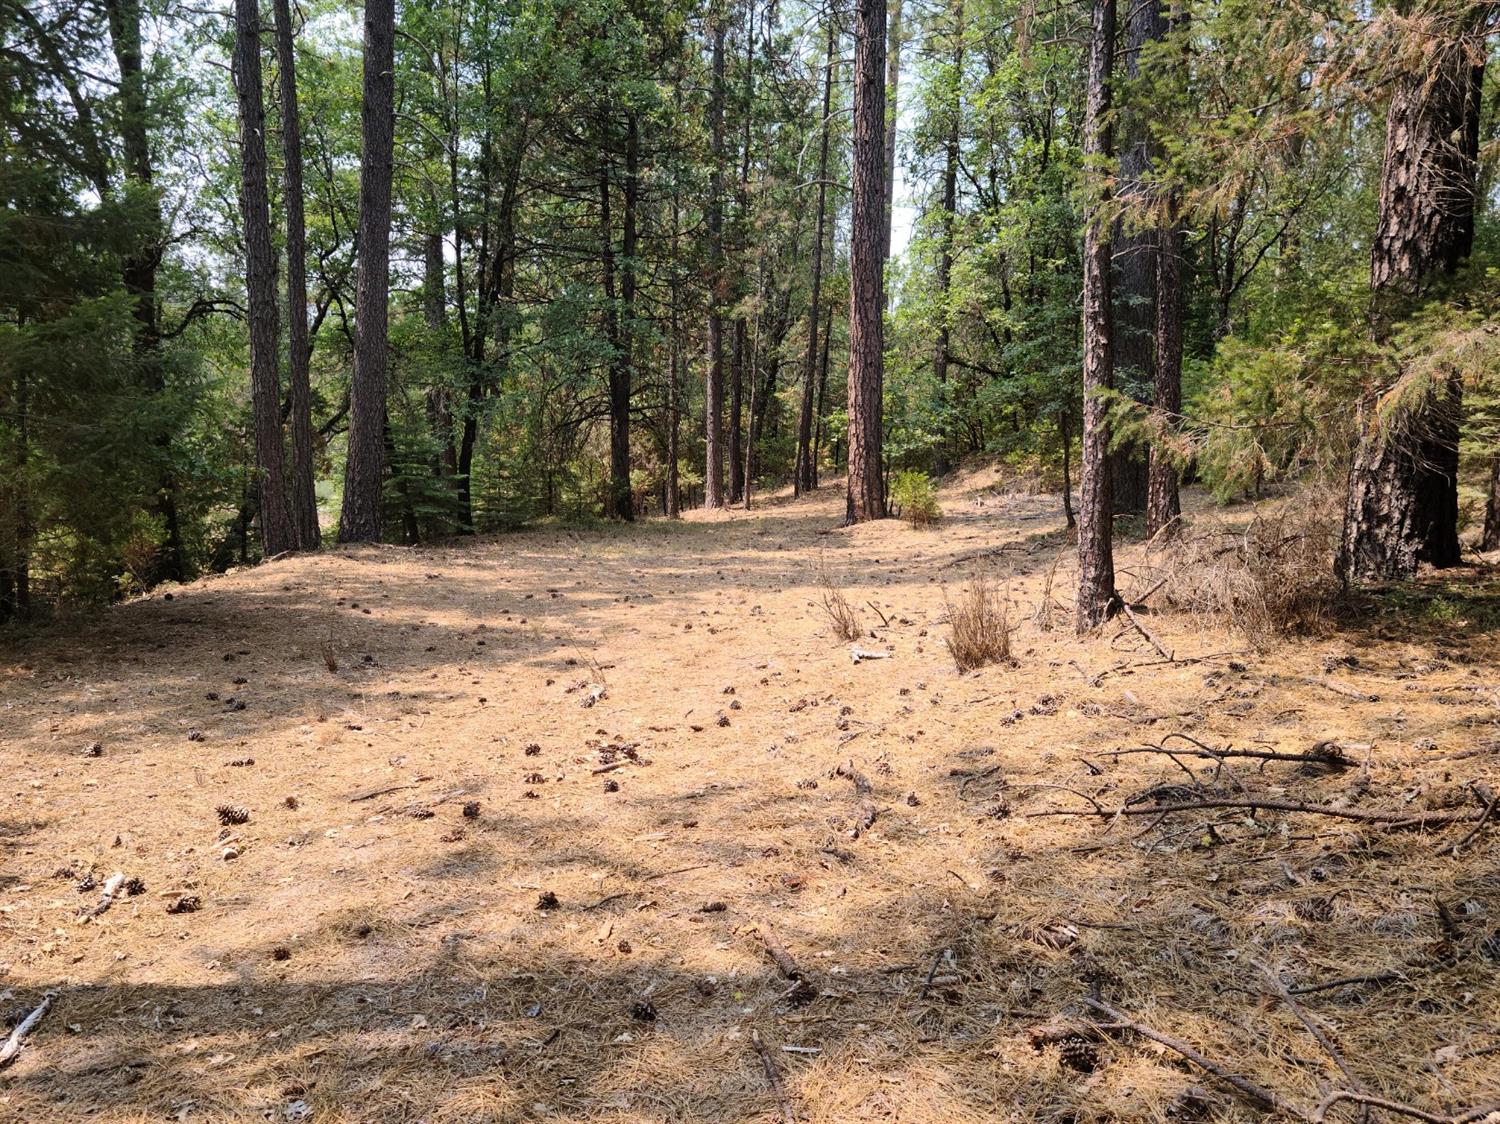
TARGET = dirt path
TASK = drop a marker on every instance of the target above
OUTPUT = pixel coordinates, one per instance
(368, 951)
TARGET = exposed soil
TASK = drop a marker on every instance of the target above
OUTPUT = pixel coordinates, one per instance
(516, 855)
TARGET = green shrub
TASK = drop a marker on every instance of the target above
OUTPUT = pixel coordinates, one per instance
(914, 497)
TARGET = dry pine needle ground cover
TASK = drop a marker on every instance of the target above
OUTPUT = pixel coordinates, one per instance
(608, 826)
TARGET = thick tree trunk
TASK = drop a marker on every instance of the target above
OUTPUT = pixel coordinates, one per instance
(139, 273)
(805, 476)
(1097, 600)
(867, 268)
(954, 112)
(299, 388)
(713, 408)
(360, 520)
(1163, 505)
(1402, 501)
(276, 531)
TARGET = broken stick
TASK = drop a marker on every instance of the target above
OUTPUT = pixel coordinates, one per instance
(112, 887)
(773, 1077)
(12, 1045)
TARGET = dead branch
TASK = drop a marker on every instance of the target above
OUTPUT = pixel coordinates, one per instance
(932, 974)
(1312, 1028)
(1388, 976)
(804, 990)
(883, 622)
(12, 1045)
(1340, 688)
(1139, 627)
(112, 887)
(1489, 810)
(1370, 1101)
(773, 1077)
(1261, 1095)
(1393, 820)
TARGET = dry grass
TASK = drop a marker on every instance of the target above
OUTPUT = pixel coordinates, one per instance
(1265, 577)
(881, 817)
(839, 611)
(979, 628)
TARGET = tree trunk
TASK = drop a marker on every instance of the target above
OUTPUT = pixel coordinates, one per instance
(867, 268)
(276, 531)
(1163, 505)
(892, 112)
(1134, 250)
(1065, 434)
(139, 272)
(1402, 501)
(739, 370)
(299, 389)
(954, 112)
(675, 378)
(1097, 600)
(360, 520)
(619, 320)
(805, 477)
(713, 408)
(1491, 536)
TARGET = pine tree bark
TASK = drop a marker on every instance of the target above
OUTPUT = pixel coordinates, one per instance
(276, 531)
(1163, 502)
(805, 477)
(954, 113)
(866, 480)
(1401, 507)
(364, 467)
(1097, 600)
(299, 387)
(713, 407)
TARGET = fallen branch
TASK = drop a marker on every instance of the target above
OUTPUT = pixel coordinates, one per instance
(12, 1045)
(859, 655)
(884, 623)
(1258, 1093)
(1369, 1101)
(1393, 820)
(1340, 689)
(932, 974)
(773, 1077)
(112, 887)
(1489, 810)
(1139, 627)
(1316, 1031)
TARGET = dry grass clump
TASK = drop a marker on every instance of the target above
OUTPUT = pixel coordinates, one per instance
(845, 621)
(979, 625)
(1271, 577)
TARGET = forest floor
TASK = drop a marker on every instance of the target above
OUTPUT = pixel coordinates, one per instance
(591, 945)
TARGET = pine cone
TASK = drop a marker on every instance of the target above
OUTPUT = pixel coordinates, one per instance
(471, 810)
(232, 814)
(135, 887)
(1079, 1053)
(189, 904)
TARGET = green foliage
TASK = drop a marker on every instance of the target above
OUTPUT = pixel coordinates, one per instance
(914, 497)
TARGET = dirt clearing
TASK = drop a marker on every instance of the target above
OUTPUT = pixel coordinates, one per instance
(610, 826)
